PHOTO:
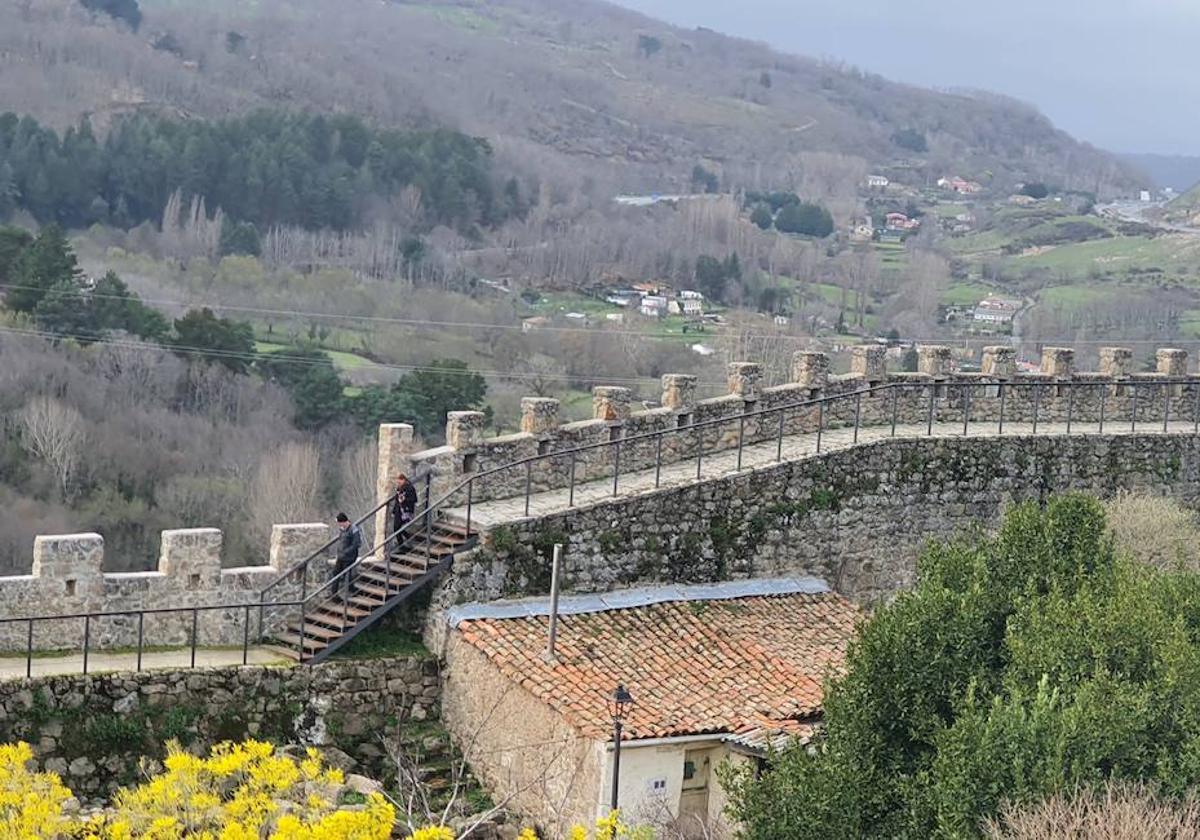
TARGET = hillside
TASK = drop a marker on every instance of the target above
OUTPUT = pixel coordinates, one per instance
(572, 92)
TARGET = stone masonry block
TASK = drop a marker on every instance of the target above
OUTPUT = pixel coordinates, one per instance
(810, 369)
(74, 559)
(745, 380)
(464, 429)
(1115, 361)
(679, 392)
(933, 360)
(395, 451)
(611, 403)
(1000, 362)
(539, 416)
(292, 543)
(1058, 362)
(191, 558)
(1172, 362)
(869, 362)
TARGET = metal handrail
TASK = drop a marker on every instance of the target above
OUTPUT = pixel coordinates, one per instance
(320, 551)
(694, 430)
(89, 617)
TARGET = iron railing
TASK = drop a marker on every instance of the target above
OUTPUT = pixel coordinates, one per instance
(91, 619)
(939, 393)
(1143, 397)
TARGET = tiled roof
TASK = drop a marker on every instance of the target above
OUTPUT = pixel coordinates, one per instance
(742, 666)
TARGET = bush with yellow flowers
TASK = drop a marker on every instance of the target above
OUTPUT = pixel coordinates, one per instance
(239, 792)
(607, 828)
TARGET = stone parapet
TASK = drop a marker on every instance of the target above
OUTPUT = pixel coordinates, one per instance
(1115, 361)
(1173, 363)
(999, 362)
(934, 360)
(464, 429)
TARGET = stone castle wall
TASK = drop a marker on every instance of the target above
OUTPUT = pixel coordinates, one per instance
(857, 518)
(93, 729)
(936, 391)
(66, 578)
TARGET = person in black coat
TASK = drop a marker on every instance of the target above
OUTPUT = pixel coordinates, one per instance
(349, 549)
(403, 507)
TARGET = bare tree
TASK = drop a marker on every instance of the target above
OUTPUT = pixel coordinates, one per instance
(285, 487)
(55, 433)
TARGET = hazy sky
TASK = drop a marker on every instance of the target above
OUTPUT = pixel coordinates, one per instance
(1122, 74)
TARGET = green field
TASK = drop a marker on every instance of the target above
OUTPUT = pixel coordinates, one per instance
(341, 360)
(966, 294)
(1174, 255)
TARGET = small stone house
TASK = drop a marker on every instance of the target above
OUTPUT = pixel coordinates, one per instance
(718, 673)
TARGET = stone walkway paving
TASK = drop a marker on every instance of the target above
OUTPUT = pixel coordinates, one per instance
(795, 447)
(13, 667)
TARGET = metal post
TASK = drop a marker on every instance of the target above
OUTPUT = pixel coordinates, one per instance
(571, 493)
(29, 650)
(1003, 394)
(741, 439)
(528, 483)
(195, 616)
(1037, 403)
(779, 439)
(555, 569)
(658, 461)
(895, 407)
(262, 603)
(966, 408)
(857, 413)
(300, 641)
(470, 499)
(1166, 407)
(932, 397)
(1070, 406)
(1133, 414)
(616, 760)
(699, 451)
(142, 637)
(1196, 409)
(1103, 401)
(616, 465)
(246, 638)
(820, 423)
(87, 640)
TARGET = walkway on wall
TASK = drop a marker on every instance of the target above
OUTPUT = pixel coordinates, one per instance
(485, 515)
(15, 667)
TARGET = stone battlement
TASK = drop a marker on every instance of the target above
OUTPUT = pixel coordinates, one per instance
(67, 578)
(468, 452)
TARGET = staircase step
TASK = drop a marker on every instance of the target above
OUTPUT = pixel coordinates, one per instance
(331, 616)
(318, 631)
(453, 527)
(293, 641)
(366, 602)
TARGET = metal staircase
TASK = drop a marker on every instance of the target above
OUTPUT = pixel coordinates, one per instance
(345, 605)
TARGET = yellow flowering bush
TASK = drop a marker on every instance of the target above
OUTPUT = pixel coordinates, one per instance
(239, 792)
(432, 832)
(31, 804)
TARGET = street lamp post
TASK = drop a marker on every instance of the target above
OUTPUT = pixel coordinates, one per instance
(618, 707)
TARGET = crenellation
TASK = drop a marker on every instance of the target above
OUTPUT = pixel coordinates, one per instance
(869, 362)
(810, 369)
(679, 392)
(395, 456)
(934, 360)
(999, 362)
(539, 416)
(191, 558)
(1058, 362)
(464, 429)
(1115, 361)
(1172, 362)
(745, 380)
(611, 404)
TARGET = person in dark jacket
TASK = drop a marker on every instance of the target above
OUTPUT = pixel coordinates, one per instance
(403, 508)
(349, 549)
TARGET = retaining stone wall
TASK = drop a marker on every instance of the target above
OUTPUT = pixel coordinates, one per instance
(93, 729)
(857, 518)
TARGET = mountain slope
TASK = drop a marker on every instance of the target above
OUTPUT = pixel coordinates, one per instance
(570, 90)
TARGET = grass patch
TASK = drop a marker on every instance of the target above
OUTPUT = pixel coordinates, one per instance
(382, 642)
(966, 294)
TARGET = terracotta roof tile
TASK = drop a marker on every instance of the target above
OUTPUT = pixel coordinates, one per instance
(748, 666)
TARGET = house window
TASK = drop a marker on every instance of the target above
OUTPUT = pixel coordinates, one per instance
(689, 770)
